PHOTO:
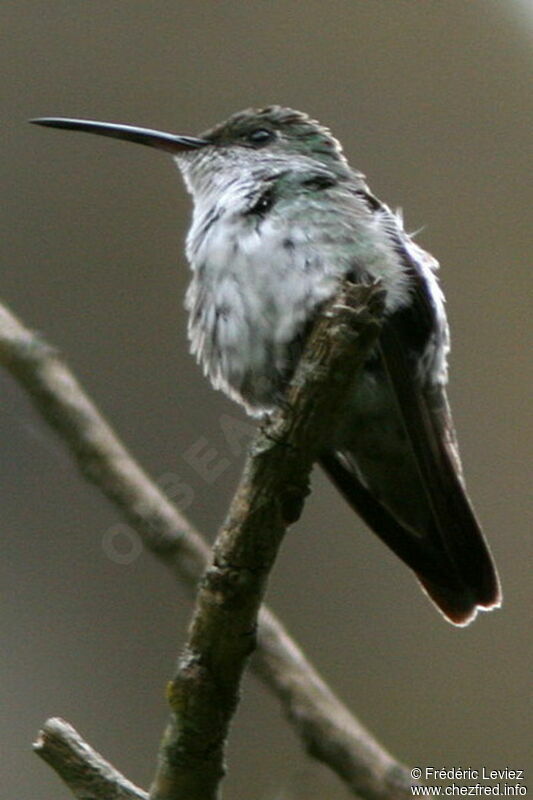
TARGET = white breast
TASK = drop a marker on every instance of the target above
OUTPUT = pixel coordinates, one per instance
(257, 280)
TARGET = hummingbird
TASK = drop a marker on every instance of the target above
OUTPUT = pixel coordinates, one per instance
(279, 218)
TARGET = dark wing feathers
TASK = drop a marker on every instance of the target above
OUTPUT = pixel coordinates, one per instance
(458, 531)
(431, 565)
(450, 558)
(426, 559)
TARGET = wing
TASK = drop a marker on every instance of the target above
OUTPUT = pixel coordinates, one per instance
(431, 565)
(450, 556)
(429, 429)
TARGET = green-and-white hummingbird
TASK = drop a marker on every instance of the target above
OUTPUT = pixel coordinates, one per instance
(279, 217)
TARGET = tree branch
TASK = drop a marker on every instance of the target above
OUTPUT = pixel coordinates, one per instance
(85, 772)
(204, 692)
(98, 452)
(328, 730)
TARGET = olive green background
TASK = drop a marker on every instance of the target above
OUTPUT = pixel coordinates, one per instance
(432, 100)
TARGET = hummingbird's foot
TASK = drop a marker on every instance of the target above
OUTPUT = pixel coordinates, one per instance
(266, 426)
(284, 405)
(275, 439)
(358, 305)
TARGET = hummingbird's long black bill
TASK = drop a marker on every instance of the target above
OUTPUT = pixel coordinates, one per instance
(169, 142)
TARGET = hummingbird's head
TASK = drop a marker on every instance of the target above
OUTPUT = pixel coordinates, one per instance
(274, 130)
(248, 140)
(256, 141)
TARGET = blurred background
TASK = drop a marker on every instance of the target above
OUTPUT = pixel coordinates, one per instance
(433, 102)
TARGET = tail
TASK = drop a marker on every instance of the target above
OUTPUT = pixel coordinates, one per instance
(460, 581)
(455, 530)
(455, 601)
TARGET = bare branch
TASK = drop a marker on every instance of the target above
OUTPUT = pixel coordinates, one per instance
(100, 455)
(204, 692)
(165, 532)
(86, 773)
(329, 731)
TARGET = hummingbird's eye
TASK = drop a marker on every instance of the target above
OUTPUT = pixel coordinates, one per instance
(260, 136)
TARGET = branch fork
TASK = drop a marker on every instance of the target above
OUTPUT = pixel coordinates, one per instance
(228, 622)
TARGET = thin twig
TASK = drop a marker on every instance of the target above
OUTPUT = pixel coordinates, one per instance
(365, 766)
(86, 773)
(204, 692)
(328, 730)
(98, 452)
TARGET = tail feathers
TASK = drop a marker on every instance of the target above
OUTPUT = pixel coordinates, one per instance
(454, 530)
(457, 602)
(457, 593)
